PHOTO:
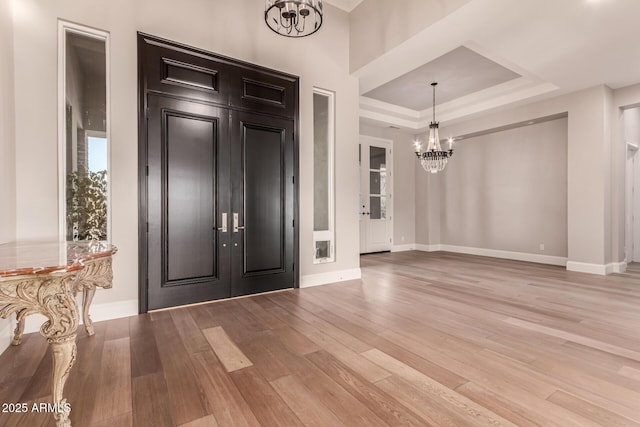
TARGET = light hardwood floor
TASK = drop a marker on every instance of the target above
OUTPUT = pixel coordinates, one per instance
(425, 339)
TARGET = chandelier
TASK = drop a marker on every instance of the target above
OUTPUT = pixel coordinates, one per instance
(434, 158)
(293, 18)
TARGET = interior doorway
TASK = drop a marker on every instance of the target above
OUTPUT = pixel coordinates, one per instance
(631, 118)
(376, 198)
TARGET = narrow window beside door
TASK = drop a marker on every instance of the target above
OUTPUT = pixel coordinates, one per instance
(323, 176)
(83, 109)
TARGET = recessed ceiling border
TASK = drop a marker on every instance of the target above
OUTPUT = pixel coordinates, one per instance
(346, 5)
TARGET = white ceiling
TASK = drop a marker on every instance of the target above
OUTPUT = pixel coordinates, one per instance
(555, 46)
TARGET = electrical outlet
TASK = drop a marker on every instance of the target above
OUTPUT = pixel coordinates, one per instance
(542, 246)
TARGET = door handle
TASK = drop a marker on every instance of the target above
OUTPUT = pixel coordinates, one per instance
(236, 227)
(224, 223)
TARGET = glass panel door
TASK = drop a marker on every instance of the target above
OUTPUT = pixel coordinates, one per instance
(376, 228)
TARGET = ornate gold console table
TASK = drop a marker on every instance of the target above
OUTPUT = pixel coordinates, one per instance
(44, 278)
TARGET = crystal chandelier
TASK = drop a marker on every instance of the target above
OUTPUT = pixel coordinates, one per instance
(434, 158)
(293, 18)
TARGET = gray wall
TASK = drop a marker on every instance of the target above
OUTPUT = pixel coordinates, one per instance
(404, 201)
(504, 191)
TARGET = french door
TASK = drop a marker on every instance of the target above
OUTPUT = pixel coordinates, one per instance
(376, 207)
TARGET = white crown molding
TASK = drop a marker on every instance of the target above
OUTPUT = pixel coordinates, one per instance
(378, 106)
(514, 91)
(346, 5)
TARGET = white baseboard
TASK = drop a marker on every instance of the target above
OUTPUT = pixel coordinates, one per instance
(494, 253)
(600, 269)
(99, 312)
(584, 267)
(403, 248)
(619, 267)
(5, 337)
(309, 280)
(428, 248)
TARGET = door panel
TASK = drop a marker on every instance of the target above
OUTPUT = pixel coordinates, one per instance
(265, 92)
(263, 198)
(188, 191)
(191, 181)
(174, 69)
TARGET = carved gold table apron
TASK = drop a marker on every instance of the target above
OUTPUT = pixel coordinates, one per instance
(44, 278)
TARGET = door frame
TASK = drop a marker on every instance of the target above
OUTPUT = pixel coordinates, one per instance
(143, 38)
(632, 210)
(390, 180)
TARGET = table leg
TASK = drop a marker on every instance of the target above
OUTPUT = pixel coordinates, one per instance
(87, 297)
(97, 273)
(60, 330)
(17, 333)
(64, 354)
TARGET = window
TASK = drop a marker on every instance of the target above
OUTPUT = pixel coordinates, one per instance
(323, 176)
(83, 86)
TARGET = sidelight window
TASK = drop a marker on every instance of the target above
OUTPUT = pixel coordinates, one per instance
(83, 146)
(323, 176)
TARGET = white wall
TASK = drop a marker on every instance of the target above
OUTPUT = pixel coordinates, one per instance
(234, 29)
(377, 26)
(7, 142)
(507, 191)
(404, 202)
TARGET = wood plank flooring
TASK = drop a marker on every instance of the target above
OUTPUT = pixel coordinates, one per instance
(424, 339)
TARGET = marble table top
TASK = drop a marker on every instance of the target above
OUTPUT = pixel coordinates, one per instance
(22, 258)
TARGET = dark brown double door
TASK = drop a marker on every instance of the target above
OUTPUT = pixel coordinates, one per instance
(220, 201)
